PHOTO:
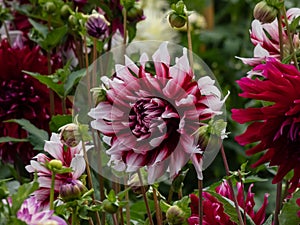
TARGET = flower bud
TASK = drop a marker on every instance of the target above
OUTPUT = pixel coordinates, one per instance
(55, 164)
(135, 184)
(97, 26)
(71, 191)
(49, 7)
(65, 11)
(175, 215)
(264, 12)
(135, 14)
(109, 206)
(69, 135)
(176, 20)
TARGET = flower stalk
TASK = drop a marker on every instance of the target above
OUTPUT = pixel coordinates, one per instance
(200, 208)
(241, 222)
(157, 208)
(278, 203)
(52, 190)
(145, 197)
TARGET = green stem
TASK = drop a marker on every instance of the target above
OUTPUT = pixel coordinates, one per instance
(157, 208)
(236, 204)
(189, 37)
(292, 49)
(278, 203)
(145, 198)
(200, 209)
(74, 216)
(52, 190)
(280, 35)
(124, 11)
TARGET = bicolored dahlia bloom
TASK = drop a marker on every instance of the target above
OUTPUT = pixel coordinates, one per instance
(275, 127)
(69, 156)
(22, 96)
(32, 213)
(265, 38)
(150, 119)
(213, 210)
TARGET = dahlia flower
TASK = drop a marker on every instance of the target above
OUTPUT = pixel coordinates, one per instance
(265, 38)
(32, 213)
(151, 119)
(22, 96)
(213, 210)
(274, 128)
(69, 156)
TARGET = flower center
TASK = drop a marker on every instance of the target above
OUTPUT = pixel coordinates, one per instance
(150, 114)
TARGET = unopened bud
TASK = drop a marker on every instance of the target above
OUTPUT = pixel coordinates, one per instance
(135, 14)
(71, 191)
(264, 12)
(175, 215)
(69, 135)
(135, 184)
(109, 206)
(176, 20)
(55, 164)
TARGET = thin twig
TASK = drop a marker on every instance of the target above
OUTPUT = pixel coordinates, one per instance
(157, 208)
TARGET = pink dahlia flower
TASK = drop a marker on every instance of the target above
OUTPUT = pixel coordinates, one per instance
(150, 118)
(274, 128)
(32, 213)
(213, 210)
(70, 157)
(265, 38)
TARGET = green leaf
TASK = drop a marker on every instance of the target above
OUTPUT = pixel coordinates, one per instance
(254, 178)
(40, 28)
(54, 37)
(112, 196)
(12, 139)
(164, 206)
(58, 121)
(23, 192)
(36, 136)
(289, 211)
(49, 81)
(73, 79)
(268, 221)
(131, 31)
(16, 221)
(229, 208)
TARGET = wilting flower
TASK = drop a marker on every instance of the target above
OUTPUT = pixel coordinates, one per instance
(22, 96)
(265, 38)
(213, 210)
(69, 156)
(97, 26)
(32, 213)
(150, 119)
(275, 127)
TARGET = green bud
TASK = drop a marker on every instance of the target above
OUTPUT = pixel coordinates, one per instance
(176, 20)
(175, 215)
(65, 11)
(55, 164)
(134, 14)
(49, 7)
(109, 206)
(71, 191)
(264, 12)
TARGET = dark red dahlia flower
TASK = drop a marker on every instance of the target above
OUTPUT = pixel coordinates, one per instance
(22, 96)
(276, 127)
(213, 210)
(151, 119)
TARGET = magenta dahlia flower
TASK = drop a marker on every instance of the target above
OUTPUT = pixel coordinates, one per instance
(274, 128)
(32, 213)
(22, 96)
(213, 210)
(151, 119)
(265, 38)
(69, 156)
